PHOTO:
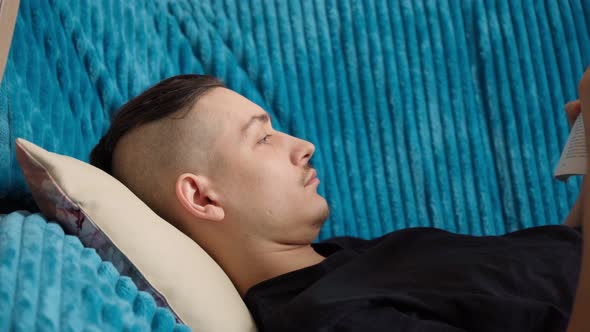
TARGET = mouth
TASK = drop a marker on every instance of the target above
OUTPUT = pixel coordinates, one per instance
(313, 178)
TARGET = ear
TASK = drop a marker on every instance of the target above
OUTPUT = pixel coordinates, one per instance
(194, 194)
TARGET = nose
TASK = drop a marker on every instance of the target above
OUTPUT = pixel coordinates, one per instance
(303, 151)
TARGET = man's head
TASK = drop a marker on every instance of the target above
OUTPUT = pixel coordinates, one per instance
(182, 146)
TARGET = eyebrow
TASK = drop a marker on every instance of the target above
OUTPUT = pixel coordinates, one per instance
(260, 118)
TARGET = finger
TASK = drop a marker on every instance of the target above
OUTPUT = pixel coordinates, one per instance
(569, 117)
(572, 106)
(572, 109)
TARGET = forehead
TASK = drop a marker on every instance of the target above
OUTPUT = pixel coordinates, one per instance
(226, 113)
(227, 104)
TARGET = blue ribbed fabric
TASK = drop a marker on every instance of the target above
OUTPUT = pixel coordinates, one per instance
(439, 113)
(50, 282)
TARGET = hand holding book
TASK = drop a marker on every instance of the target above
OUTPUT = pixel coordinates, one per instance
(579, 319)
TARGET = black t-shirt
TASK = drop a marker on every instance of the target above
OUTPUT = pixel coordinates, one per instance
(429, 280)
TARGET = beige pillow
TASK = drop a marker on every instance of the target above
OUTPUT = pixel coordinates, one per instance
(160, 259)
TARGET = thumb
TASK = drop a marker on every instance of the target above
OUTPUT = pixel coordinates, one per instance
(572, 110)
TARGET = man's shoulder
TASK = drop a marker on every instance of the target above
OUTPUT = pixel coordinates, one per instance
(354, 242)
(349, 242)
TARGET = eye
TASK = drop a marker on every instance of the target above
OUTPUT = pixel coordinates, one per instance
(264, 140)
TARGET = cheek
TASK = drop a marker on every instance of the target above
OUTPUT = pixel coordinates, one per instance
(246, 178)
(261, 175)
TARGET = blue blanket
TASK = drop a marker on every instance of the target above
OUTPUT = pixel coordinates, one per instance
(50, 282)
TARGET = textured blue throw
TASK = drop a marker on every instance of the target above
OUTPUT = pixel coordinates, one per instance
(441, 113)
(50, 282)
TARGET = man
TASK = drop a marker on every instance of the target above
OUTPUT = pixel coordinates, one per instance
(208, 161)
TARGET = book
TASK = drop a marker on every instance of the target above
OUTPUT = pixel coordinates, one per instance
(573, 157)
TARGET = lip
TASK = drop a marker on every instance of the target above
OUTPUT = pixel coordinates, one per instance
(312, 177)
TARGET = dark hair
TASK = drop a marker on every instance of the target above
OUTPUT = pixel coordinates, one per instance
(169, 96)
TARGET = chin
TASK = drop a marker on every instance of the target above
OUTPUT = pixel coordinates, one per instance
(323, 214)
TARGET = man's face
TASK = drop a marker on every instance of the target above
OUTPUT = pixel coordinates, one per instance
(262, 180)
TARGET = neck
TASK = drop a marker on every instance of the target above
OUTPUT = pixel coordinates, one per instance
(247, 267)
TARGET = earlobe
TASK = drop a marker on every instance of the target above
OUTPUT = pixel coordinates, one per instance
(214, 212)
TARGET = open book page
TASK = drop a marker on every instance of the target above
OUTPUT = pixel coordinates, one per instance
(573, 157)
